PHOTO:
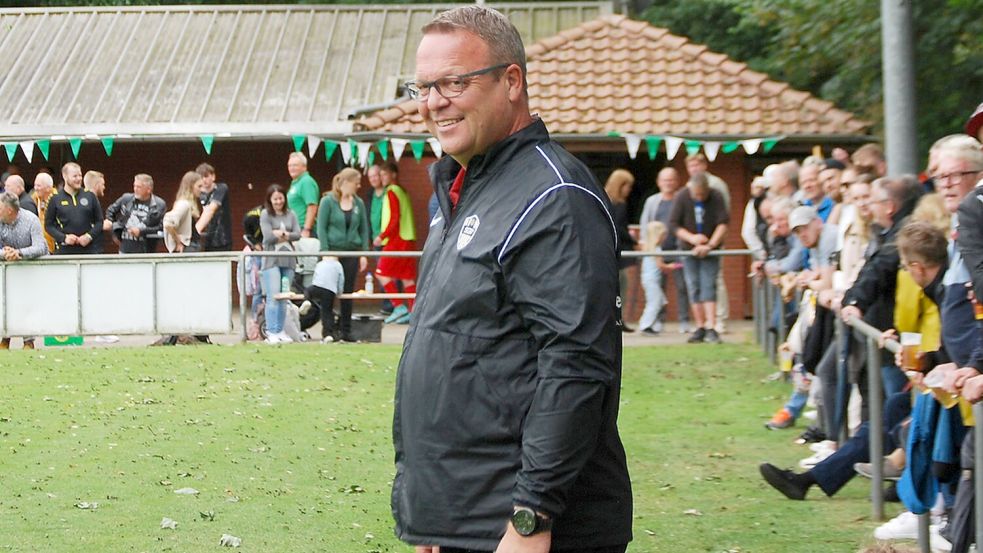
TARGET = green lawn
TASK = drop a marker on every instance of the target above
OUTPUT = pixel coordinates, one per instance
(289, 449)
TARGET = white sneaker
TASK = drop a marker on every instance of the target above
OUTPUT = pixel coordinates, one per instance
(810, 415)
(936, 541)
(819, 446)
(107, 339)
(685, 328)
(658, 326)
(816, 458)
(284, 338)
(327, 339)
(901, 527)
(305, 307)
(272, 339)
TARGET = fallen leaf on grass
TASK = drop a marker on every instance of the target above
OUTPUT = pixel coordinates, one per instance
(186, 491)
(230, 541)
(649, 532)
(88, 506)
(693, 512)
(168, 524)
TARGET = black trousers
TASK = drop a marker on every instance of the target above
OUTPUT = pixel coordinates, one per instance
(324, 300)
(350, 266)
(608, 549)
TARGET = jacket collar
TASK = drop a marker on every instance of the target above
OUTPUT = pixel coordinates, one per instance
(935, 289)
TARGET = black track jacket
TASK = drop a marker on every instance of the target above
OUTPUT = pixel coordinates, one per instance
(508, 386)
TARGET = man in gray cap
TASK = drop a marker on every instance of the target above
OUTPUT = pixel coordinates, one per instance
(820, 239)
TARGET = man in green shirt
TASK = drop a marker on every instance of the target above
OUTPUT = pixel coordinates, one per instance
(304, 194)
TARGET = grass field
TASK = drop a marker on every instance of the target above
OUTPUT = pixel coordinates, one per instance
(289, 449)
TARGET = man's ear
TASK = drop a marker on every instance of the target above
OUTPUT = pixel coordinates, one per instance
(513, 76)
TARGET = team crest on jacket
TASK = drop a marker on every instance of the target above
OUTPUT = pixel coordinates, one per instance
(467, 231)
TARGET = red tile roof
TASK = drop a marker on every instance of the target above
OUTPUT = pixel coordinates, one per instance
(618, 74)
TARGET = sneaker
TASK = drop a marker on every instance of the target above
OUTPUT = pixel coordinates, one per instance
(284, 338)
(936, 541)
(685, 328)
(901, 527)
(107, 339)
(398, 312)
(327, 339)
(721, 328)
(405, 319)
(698, 336)
(819, 446)
(813, 434)
(273, 339)
(888, 470)
(784, 481)
(816, 458)
(712, 337)
(658, 327)
(626, 329)
(781, 419)
(28, 344)
(305, 307)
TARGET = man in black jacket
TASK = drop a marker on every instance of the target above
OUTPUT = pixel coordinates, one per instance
(74, 216)
(136, 219)
(507, 391)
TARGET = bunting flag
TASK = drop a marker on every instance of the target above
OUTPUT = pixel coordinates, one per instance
(399, 144)
(45, 146)
(28, 148)
(383, 146)
(652, 144)
(692, 147)
(711, 149)
(207, 140)
(76, 144)
(298, 142)
(312, 143)
(730, 147)
(364, 149)
(672, 146)
(352, 151)
(329, 149)
(107, 144)
(633, 141)
(371, 161)
(751, 146)
(435, 146)
(346, 151)
(768, 144)
(417, 147)
(11, 148)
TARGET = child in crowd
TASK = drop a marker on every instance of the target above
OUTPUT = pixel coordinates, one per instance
(652, 271)
(328, 282)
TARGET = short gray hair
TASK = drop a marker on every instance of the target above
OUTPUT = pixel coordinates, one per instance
(700, 181)
(298, 156)
(491, 26)
(962, 147)
(8, 199)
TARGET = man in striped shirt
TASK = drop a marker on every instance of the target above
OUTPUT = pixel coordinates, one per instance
(20, 238)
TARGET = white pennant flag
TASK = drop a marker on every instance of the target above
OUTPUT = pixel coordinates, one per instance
(633, 141)
(28, 148)
(312, 144)
(398, 144)
(435, 146)
(363, 153)
(672, 146)
(711, 149)
(751, 146)
(346, 152)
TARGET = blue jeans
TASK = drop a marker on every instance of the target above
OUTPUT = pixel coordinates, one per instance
(701, 278)
(275, 309)
(655, 299)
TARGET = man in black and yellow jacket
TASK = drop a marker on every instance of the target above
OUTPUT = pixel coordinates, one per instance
(74, 216)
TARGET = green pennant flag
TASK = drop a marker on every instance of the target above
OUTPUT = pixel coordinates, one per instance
(11, 148)
(693, 146)
(352, 151)
(76, 144)
(417, 146)
(767, 145)
(371, 160)
(45, 146)
(729, 147)
(614, 134)
(107, 143)
(207, 140)
(299, 141)
(383, 146)
(652, 144)
(329, 148)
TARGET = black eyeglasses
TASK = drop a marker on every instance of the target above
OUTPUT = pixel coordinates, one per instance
(450, 86)
(952, 177)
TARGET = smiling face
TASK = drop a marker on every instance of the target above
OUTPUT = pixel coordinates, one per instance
(295, 167)
(278, 200)
(489, 109)
(960, 180)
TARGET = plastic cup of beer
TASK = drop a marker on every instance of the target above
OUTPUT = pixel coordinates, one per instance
(786, 360)
(910, 344)
(934, 381)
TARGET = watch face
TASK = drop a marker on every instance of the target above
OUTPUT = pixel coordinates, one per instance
(524, 521)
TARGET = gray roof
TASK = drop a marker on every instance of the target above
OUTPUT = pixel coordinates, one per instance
(227, 70)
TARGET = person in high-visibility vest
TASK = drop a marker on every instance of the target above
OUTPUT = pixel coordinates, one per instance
(397, 235)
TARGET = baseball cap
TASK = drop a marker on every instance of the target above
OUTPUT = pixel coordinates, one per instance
(975, 122)
(801, 216)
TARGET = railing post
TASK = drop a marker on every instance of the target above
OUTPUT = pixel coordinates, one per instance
(977, 481)
(924, 538)
(875, 396)
(756, 295)
(243, 306)
(769, 297)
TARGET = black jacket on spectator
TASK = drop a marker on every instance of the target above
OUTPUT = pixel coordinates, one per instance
(874, 290)
(121, 210)
(79, 214)
(969, 240)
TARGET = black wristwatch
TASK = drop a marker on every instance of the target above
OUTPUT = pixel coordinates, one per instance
(528, 522)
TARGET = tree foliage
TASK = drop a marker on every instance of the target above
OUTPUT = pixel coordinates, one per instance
(833, 50)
